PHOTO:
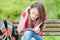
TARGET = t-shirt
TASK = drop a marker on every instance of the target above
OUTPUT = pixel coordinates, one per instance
(32, 26)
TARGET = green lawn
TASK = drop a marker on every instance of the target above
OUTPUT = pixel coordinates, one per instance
(50, 38)
(14, 8)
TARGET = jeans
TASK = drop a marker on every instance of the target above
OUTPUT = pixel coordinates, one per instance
(30, 35)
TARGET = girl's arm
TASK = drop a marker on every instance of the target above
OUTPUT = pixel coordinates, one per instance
(22, 22)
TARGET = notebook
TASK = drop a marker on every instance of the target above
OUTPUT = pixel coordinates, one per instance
(36, 28)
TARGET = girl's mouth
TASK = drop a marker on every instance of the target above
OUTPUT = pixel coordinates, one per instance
(33, 18)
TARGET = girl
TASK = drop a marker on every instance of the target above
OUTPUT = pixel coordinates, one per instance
(31, 18)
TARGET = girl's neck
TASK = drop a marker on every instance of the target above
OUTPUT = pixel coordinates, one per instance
(35, 23)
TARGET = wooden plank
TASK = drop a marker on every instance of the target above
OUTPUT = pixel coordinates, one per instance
(52, 21)
(52, 30)
(47, 25)
(51, 33)
(52, 25)
(47, 21)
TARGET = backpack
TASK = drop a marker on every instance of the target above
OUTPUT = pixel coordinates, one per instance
(7, 31)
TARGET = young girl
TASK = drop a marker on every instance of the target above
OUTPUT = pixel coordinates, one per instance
(31, 18)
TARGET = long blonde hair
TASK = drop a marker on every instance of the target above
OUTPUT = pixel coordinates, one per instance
(42, 14)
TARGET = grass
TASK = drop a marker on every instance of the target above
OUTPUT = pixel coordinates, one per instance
(50, 38)
(14, 8)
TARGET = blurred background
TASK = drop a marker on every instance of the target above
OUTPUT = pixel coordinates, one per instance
(12, 9)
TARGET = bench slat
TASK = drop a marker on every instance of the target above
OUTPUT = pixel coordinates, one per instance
(51, 33)
(52, 30)
(52, 27)
(47, 25)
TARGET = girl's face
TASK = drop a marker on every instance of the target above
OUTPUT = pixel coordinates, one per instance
(34, 14)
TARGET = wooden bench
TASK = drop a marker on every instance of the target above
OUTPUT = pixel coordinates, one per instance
(52, 27)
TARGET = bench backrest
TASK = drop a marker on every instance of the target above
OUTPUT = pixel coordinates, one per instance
(52, 27)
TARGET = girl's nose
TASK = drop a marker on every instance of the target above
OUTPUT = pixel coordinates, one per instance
(34, 16)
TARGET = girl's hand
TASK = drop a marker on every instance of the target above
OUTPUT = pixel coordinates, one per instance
(37, 31)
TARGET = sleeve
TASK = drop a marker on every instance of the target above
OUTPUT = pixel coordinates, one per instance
(26, 22)
(22, 21)
(24, 14)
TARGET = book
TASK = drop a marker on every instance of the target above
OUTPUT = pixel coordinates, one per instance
(37, 27)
